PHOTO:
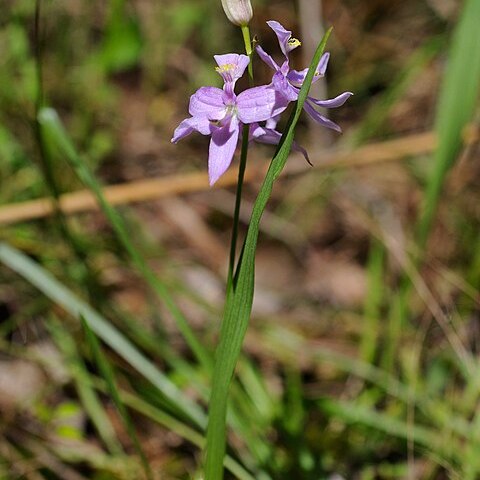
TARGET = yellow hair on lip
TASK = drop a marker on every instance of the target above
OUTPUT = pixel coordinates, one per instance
(225, 68)
(294, 42)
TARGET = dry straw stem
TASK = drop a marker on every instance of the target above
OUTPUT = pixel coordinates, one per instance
(143, 190)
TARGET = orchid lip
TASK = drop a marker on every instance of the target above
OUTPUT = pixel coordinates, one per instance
(231, 109)
(294, 42)
(228, 67)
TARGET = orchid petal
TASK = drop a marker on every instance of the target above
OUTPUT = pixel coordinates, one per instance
(338, 101)
(272, 122)
(298, 77)
(187, 126)
(281, 83)
(323, 64)
(208, 102)
(264, 135)
(272, 137)
(286, 41)
(320, 118)
(222, 148)
(285, 68)
(231, 66)
(267, 58)
(298, 148)
(260, 103)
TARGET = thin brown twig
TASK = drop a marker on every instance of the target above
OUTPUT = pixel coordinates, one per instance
(144, 190)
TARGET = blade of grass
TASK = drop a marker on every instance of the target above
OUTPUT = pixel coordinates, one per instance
(294, 415)
(187, 371)
(13, 462)
(471, 459)
(375, 119)
(55, 132)
(106, 369)
(163, 418)
(58, 293)
(85, 389)
(373, 302)
(437, 410)
(240, 417)
(47, 458)
(240, 297)
(251, 379)
(457, 102)
(397, 315)
(445, 446)
(48, 169)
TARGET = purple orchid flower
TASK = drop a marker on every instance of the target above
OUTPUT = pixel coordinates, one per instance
(288, 82)
(220, 112)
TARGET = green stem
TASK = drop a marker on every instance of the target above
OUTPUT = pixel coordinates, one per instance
(242, 166)
(238, 201)
(248, 50)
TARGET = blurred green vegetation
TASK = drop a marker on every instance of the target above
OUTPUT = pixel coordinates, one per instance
(380, 384)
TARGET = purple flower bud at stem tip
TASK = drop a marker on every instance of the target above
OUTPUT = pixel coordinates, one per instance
(239, 12)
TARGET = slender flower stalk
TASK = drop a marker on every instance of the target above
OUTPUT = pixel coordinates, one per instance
(243, 164)
(249, 51)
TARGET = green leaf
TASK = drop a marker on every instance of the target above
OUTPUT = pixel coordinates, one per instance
(354, 414)
(58, 293)
(456, 104)
(184, 431)
(85, 389)
(108, 374)
(239, 298)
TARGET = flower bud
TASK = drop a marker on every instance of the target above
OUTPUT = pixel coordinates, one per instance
(239, 12)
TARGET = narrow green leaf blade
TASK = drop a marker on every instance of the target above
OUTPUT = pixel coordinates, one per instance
(53, 289)
(85, 388)
(352, 413)
(456, 104)
(108, 374)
